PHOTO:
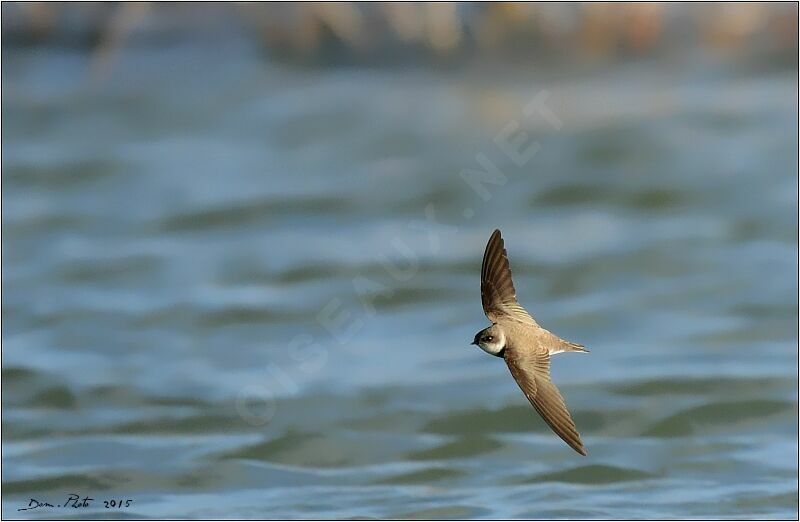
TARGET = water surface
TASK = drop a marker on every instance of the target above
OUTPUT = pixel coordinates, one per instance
(248, 291)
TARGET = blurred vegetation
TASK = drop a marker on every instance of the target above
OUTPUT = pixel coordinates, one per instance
(442, 33)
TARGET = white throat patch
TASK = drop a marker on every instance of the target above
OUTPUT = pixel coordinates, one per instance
(491, 348)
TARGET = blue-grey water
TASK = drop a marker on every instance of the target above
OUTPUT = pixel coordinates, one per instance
(238, 289)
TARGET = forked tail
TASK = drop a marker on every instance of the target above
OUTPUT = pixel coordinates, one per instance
(562, 346)
(573, 347)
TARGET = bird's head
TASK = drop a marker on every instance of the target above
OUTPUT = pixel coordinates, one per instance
(491, 340)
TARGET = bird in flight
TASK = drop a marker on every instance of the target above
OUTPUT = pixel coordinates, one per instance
(522, 343)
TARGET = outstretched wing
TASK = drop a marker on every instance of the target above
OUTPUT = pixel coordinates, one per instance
(498, 295)
(532, 373)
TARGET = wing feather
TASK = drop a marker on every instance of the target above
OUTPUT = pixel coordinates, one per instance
(498, 295)
(532, 374)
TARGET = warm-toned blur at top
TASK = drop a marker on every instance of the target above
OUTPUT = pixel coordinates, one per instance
(391, 34)
(242, 243)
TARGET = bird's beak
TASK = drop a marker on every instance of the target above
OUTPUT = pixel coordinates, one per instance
(473, 342)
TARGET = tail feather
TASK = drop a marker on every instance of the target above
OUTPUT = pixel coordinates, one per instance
(559, 345)
(573, 347)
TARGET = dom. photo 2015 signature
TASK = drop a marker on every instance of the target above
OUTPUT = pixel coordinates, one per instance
(76, 501)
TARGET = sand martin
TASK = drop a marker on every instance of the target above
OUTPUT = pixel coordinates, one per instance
(522, 343)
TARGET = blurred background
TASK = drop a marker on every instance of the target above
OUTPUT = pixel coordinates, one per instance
(241, 258)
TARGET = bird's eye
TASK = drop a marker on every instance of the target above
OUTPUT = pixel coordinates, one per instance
(488, 338)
